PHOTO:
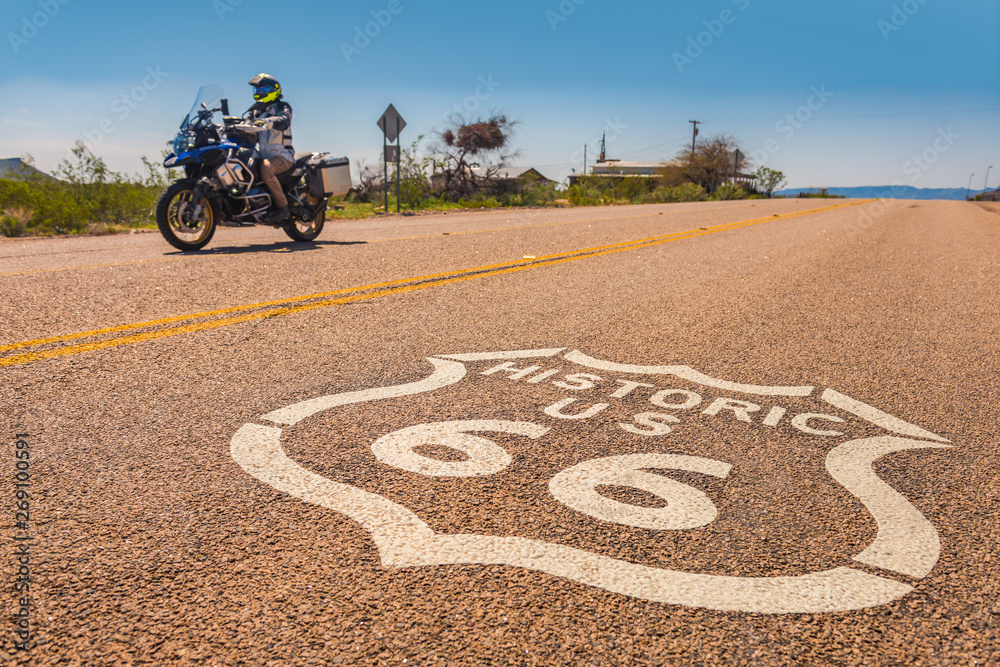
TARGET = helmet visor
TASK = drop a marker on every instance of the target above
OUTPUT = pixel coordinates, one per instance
(263, 91)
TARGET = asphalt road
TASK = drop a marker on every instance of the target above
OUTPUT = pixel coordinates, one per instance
(722, 433)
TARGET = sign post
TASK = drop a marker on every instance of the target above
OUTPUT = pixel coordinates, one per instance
(391, 124)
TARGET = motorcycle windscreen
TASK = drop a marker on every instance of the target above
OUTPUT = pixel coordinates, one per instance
(207, 95)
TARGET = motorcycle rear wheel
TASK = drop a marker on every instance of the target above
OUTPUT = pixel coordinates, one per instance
(176, 220)
(298, 230)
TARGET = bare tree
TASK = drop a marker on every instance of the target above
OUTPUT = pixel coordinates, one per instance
(463, 143)
(370, 181)
(711, 163)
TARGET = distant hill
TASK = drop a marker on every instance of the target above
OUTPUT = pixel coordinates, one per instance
(15, 167)
(886, 192)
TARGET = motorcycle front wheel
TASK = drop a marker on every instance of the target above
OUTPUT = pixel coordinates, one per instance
(178, 222)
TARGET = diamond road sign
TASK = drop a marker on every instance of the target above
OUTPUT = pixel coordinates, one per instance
(391, 123)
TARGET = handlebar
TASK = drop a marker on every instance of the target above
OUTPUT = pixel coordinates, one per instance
(249, 129)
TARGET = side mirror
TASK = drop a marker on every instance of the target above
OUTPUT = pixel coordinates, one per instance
(204, 106)
(225, 107)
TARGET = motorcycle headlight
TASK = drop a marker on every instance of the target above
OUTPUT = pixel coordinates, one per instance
(184, 142)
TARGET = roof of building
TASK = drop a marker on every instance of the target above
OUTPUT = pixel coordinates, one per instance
(510, 172)
(620, 167)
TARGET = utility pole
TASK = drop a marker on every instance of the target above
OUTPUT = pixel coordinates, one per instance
(585, 159)
(969, 190)
(694, 137)
(986, 185)
(385, 171)
(399, 155)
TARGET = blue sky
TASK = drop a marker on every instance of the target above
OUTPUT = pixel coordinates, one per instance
(859, 92)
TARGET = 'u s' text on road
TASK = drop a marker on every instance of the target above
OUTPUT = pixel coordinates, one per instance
(60, 346)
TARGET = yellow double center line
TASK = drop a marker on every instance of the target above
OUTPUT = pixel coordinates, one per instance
(113, 336)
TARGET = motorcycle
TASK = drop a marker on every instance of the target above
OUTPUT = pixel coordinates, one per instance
(222, 184)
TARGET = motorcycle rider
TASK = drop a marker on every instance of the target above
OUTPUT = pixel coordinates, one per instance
(274, 142)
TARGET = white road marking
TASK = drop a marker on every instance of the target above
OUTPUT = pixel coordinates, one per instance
(774, 416)
(658, 399)
(257, 449)
(687, 507)
(801, 422)
(445, 373)
(740, 409)
(686, 373)
(541, 377)
(578, 382)
(517, 373)
(906, 540)
(485, 456)
(490, 356)
(877, 417)
(403, 540)
(628, 386)
(556, 410)
(655, 423)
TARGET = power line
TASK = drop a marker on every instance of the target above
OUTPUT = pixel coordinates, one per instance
(626, 154)
(649, 148)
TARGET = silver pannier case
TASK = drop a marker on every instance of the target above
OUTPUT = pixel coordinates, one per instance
(328, 176)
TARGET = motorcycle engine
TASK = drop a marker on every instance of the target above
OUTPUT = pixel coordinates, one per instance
(234, 177)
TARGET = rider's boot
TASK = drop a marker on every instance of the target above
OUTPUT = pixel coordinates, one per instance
(278, 215)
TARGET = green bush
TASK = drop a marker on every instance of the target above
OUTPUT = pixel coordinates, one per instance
(14, 222)
(729, 191)
(631, 189)
(582, 195)
(685, 192)
(86, 197)
(532, 193)
(480, 201)
(823, 193)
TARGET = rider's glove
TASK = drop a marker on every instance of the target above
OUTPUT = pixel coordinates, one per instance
(260, 123)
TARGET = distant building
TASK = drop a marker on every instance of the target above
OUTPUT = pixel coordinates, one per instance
(506, 179)
(616, 170)
(515, 173)
(619, 168)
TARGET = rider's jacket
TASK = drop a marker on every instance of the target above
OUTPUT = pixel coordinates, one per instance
(276, 140)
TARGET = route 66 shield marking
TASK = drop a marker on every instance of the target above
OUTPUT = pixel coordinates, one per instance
(906, 542)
